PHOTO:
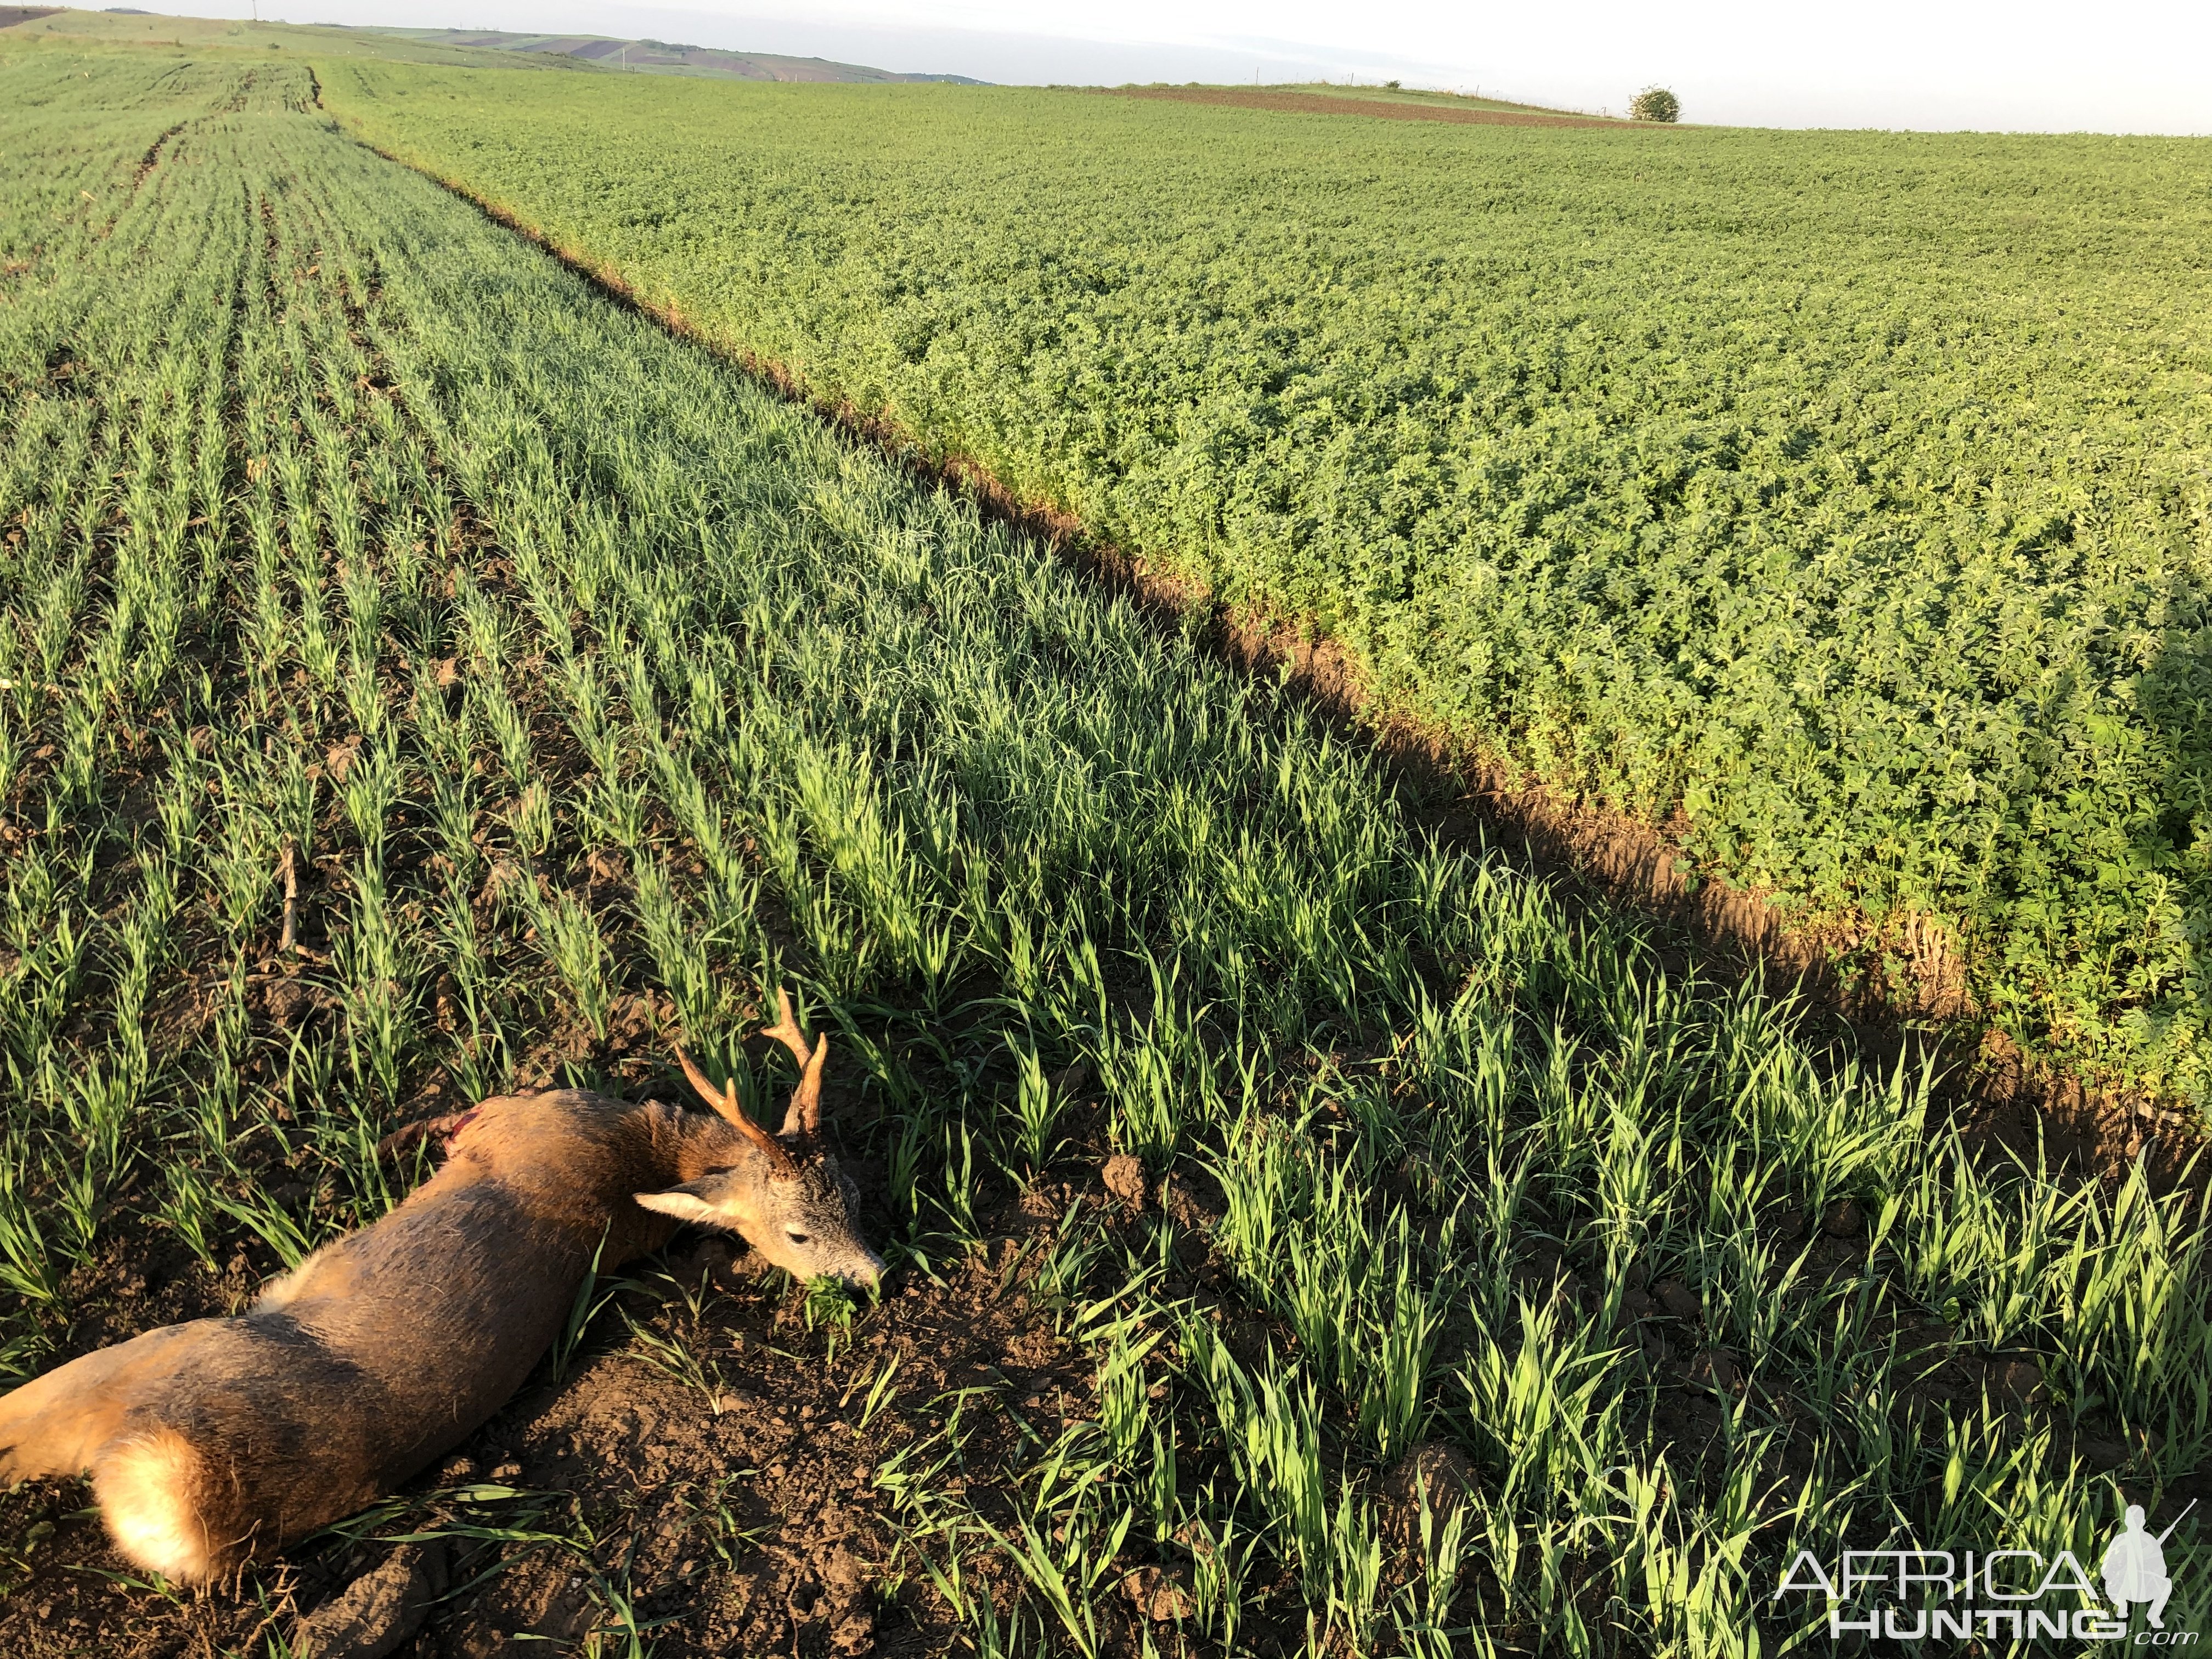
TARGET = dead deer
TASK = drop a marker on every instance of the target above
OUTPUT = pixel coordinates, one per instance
(212, 1442)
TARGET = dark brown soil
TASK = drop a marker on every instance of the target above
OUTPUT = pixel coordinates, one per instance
(708, 1470)
(1318, 103)
(11, 15)
(703, 1463)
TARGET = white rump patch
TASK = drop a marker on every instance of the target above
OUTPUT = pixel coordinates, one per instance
(278, 1291)
(146, 1490)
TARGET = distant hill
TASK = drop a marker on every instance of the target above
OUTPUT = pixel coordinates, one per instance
(663, 57)
(483, 48)
(1387, 102)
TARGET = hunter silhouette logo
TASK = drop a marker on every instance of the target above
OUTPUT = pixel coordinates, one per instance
(2135, 1567)
(1913, 1596)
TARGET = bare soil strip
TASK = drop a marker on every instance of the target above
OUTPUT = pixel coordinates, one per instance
(1315, 103)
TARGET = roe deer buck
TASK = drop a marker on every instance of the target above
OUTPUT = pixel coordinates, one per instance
(210, 1442)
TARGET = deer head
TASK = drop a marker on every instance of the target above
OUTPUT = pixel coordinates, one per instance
(786, 1195)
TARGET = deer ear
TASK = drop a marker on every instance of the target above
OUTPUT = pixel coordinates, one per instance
(685, 1204)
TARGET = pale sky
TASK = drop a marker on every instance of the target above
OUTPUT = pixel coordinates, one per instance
(2118, 66)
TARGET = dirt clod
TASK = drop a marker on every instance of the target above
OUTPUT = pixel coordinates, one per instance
(1125, 1179)
(2021, 1378)
(1717, 1369)
(1435, 1468)
(1678, 1298)
(1192, 1204)
(1842, 1219)
(841, 1572)
(380, 1610)
(1158, 1594)
(286, 1000)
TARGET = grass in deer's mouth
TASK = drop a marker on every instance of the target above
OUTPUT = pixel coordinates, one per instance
(831, 1304)
(583, 691)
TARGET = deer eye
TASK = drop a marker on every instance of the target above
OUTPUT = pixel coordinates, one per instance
(794, 1235)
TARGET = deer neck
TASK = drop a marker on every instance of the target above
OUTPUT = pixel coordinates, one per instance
(706, 1144)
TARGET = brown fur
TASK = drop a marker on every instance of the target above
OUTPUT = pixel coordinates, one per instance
(223, 1438)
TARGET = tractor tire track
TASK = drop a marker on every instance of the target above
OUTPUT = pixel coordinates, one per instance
(152, 158)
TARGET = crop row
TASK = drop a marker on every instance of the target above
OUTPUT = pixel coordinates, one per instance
(1835, 503)
(424, 679)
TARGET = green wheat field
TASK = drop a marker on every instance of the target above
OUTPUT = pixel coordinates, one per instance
(423, 677)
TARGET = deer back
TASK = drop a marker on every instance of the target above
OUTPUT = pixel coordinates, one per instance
(211, 1441)
(378, 1352)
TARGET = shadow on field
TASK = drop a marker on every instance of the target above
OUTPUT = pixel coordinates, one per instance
(1887, 994)
(2173, 698)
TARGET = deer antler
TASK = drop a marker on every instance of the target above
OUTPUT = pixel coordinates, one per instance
(804, 1115)
(806, 1111)
(785, 1030)
(725, 1101)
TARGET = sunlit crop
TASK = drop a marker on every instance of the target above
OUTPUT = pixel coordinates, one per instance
(420, 677)
(1836, 501)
